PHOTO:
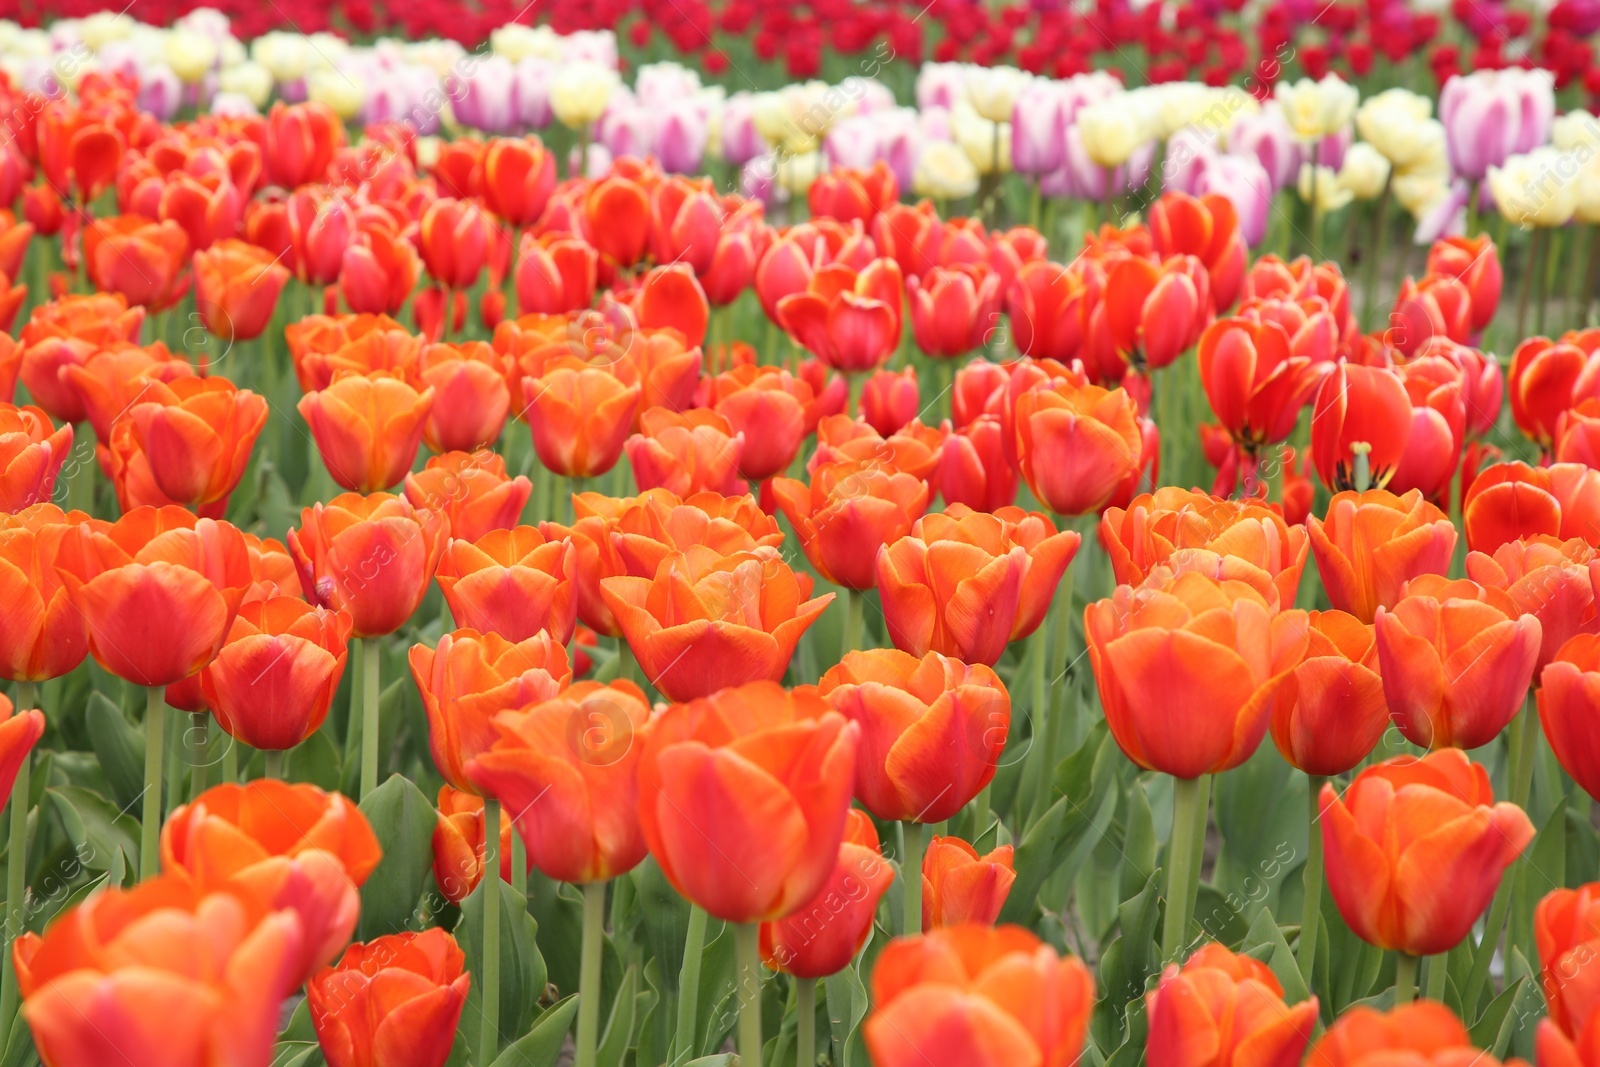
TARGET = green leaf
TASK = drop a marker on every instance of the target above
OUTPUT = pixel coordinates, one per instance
(619, 1026)
(296, 1054)
(1047, 844)
(522, 969)
(726, 1059)
(299, 1028)
(560, 919)
(315, 760)
(403, 821)
(1493, 1029)
(718, 1004)
(1265, 934)
(1216, 915)
(19, 1044)
(541, 1046)
(1138, 841)
(847, 1002)
(118, 746)
(94, 827)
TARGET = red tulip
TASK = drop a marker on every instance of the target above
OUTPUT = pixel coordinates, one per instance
(371, 556)
(1076, 444)
(1330, 713)
(1359, 405)
(823, 936)
(393, 1002)
(954, 309)
(1512, 501)
(1476, 263)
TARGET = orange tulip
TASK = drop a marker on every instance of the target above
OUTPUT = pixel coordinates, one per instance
(19, 732)
(1246, 539)
(1416, 847)
(594, 556)
(186, 441)
(1047, 307)
(973, 469)
(890, 400)
(654, 525)
(954, 309)
(472, 489)
(976, 996)
(1566, 924)
(1359, 405)
(556, 273)
(378, 269)
(770, 408)
(159, 974)
(1220, 1010)
(1423, 1032)
(141, 259)
(158, 590)
(708, 620)
(14, 238)
(453, 238)
(580, 419)
(394, 1001)
(685, 452)
(301, 141)
(468, 679)
(823, 936)
(371, 556)
(471, 399)
(618, 212)
(1546, 578)
(1155, 311)
(566, 768)
(113, 379)
(236, 288)
(669, 297)
(959, 886)
(932, 730)
(1569, 701)
(1577, 434)
(1076, 444)
(1206, 227)
(32, 452)
(1188, 667)
(273, 681)
(42, 635)
(1456, 661)
(849, 512)
(512, 582)
(300, 848)
(1330, 711)
(66, 333)
(743, 796)
(324, 347)
(913, 448)
(519, 174)
(1371, 544)
(1476, 262)
(459, 847)
(367, 428)
(966, 583)
(850, 320)
(1511, 501)
(1254, 380)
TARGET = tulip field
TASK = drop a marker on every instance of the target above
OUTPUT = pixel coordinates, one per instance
(841, 534)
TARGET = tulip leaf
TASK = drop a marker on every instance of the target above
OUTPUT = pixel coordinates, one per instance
(296, 1054)
(1138, 840)
(300, 1027)
(403, 821)
(1049, 841)
(664, 917)
(1219, 918)
(1262, 811)
(522, 969)
(619, 1026)
(718, 1006)
(1542, 868)
(847, 1001)
(1266, 934)
(559, 913)
(315, 760)
(118, 746)
(1492, 1031)
(94, 827)
(541, 1046)
(726, 1059)
(19, 1044)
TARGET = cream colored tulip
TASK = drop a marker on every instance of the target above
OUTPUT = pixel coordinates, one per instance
(1418, 192)
(1575, 129)
(1317, 109)
(1399, 123)
(1112, 130)
(1588, 206)
(342, 92)
(1365, 171)
(944, 172)
(285, 55)
(190, 55)
(250, 80)
(796, 117)
(580, 91)
(993, 91)
(103, 27)
(1320, 187)
(987, 144)
(796, 174)
(1537, 189)
(517, 41)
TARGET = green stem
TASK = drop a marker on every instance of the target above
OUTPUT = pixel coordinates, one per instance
(1197, 843)
(747, 947)
(1038, 708)
(1063, 702)
(1405, 978)
(1527, 282)
(199, 752)
(1523, 738)
(489, 1035)
(1180, 857)
(625, 660)
(594, 935)
(230, 761)
(1438, 972)
(980, 811)
(271, 763)
(155, 750)
(857, 381)
(519, 864)
(1541, 279)
(805, 1018)
(854, 622)
(1472, 209)
(685, 1043)
(1374, 266)
(16, 870)
(1311, 910)
(369, 718)
(911, 879)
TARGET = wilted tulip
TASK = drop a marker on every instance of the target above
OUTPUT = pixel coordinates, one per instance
(394, 1000)
(960, 886)
(567, 769)
(274, 679)
(1329, 713)
(823, 936)
(1225, 1010)
(1416, 847)
(372, 556)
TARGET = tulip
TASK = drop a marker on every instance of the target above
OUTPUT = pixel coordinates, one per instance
(512, 582)
(1415, 849)
(1076, 444)
(1422, 1032)
(973, 469)
(1155, 312)
(453, 239)
(1438, 306)
(371, 556)
(654, 525)
(42, 635)
(965, 584)
(568, 768)
(1512, 501)
(686, 223)
(914, 448)
(274, 679)
(236, 289)
(1245, 539)
(889, 400)
(1546, 578)
(743, 797)
(186, 441)
(707, 620)
(823, 936)
(849, 320)
(1188, 666)
(1359, 405)
(959, 886)
(1329, 713)
(618, 212)
(848, 194)
(1225, 1009)
(32, 452)
(140, 259)
(1371, 544)
(378, 270)
(580, 419)
(395, 1000)
(519, 174)
(367, 428)
(1546, 378)
(301, 142)
(979, 997)
(848, 513)
(470, 396)
(324, 347)
(685, 452)
(594, 557)
(556, 273)
(1569, 696)
(468, 679)
(472, 490)
(301, 848)
(1577, 434)
(954, 309)
(1476, 263)
(768, 407)
(459, 853)
(1438, 426)
(1255, 382)
(1564, 924)
(19, 732)
(160, 973)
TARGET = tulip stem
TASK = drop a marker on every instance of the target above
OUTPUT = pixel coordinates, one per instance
(1372, 275)
(1055, 717)
(624, 659)
(1405, 978)
(271, 763)
(369, 718)
(155, 749)
(853, 622)
(911, 879)
(684, 1043)
(16, 871)
(519, 864)
(594, 936)
(1038, 709)
(1541, 279)
(1180, 857)
(1438, 971)
(805, 1022)
(489, 1036)
(199, 752)
(747, 948)
(230, 761)
(1311, 910)
(1527, 281)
